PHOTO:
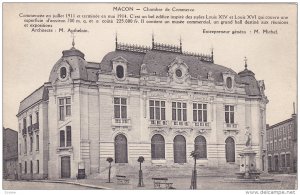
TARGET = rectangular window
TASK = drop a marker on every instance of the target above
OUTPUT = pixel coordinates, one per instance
(69, 136)
(199, 112)
(25, 167)
(157, 110)
(64, 108)
(288, 160)
(271, 147)
(37, 120)
(179, 111)
(30, 120)
(61, 110)
(20, 151)
(31, 143)
(65, 137)
(120, 107)
(31, 167)
(68, 106)
(37, 143)
(62, 138)
(37, 166)
(25, 145)
(229, 114)
(283, 160)
(24, 124)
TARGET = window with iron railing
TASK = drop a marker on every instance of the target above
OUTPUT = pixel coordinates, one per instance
(120, 108)
(199, 112)
(157, 112)
(179, 111)
(229, 114)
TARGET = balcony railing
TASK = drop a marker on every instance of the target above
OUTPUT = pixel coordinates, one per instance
(121, 122)
(30, 129)
(35, 126)
(201, 124)
(24, 131)
(230, 127)
(158, 122)
(180, 123)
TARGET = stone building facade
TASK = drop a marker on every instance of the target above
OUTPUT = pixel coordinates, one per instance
(282, 146)
(158, 102)
(33, 135)
(10, 153)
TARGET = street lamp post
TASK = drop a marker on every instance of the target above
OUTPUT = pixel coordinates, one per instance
(109, 159)
(195, 155)
(141, 160)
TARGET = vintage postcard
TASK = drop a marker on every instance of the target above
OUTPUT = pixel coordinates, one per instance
(150, 96)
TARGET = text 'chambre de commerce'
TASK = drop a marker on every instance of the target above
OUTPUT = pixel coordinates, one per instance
(155, 9)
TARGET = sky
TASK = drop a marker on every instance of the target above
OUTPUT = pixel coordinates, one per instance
(28, 57)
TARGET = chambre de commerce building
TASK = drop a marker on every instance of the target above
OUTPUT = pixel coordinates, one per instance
(158, 102)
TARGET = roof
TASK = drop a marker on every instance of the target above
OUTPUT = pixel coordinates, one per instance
(157, 63)
(40, 94)
(280, 123)
(252, 87)
(135, 60)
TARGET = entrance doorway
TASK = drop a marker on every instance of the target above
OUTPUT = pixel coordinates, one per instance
(65, 167)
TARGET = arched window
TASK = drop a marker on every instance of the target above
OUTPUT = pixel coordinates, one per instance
(179, 147)
(229, 82)
(200, 146)
(157, 147)
(230, 149)
(121, 149)
(63, 72)
(120, 71)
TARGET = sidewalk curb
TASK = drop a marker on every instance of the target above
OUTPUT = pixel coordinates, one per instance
(72, 183)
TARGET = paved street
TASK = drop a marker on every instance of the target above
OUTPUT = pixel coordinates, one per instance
(286, 182)
(24, 185)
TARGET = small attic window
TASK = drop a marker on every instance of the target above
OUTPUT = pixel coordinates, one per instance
(63, 72)
(120, 71)
(178, 73)
(229, 82)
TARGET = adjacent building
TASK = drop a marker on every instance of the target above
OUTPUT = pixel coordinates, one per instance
(34, 135)
(158, 102)
(10, 153)
(282, 146)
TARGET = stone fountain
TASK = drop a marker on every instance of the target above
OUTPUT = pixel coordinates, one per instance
(248, 171)
(248, 161)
